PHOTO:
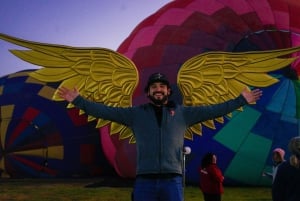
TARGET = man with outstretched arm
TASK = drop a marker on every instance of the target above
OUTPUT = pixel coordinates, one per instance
(158, 127)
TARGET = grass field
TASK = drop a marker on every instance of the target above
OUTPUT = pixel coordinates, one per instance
(98, 190)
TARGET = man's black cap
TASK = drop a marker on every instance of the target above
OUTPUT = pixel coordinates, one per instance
(157, 77)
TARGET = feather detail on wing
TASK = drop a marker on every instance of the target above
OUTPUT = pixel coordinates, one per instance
(215, 77)
(100, 75)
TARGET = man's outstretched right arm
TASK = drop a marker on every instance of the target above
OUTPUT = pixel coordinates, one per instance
(98, 110)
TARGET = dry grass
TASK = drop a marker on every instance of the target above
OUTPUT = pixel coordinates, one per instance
(104, 190)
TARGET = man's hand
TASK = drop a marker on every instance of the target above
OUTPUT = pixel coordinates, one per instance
(68, 94)
(252, 96)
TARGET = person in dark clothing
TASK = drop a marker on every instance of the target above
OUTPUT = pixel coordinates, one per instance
(286, 186)
(158, 128)
(211, 178)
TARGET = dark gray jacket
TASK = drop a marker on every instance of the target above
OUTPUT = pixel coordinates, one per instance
(159, 148)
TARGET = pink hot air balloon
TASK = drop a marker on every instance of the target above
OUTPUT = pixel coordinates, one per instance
(184, 28)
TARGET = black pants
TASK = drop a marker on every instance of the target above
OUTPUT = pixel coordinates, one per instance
(211, 197)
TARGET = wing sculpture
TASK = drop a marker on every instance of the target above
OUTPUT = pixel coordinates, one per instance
(215, 77)
(100, 75)
(105, 76)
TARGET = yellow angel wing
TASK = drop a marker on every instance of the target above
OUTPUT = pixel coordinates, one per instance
(215, 77)
(101, 75)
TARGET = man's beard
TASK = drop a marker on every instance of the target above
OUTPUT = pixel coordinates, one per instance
(158, 101)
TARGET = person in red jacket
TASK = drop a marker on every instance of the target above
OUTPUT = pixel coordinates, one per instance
(211, 178)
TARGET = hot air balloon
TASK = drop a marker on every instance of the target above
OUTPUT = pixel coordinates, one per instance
(182, 29)
(40, 139)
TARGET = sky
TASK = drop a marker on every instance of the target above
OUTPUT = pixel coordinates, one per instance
(78, 23)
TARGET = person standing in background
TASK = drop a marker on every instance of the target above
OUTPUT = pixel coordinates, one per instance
(277, 158)
(211, 178)
(286, 185)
